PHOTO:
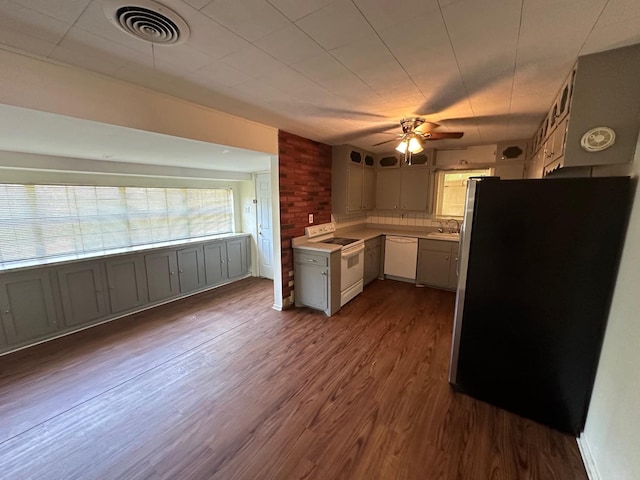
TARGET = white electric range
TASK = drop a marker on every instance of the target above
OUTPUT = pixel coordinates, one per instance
(351, 258)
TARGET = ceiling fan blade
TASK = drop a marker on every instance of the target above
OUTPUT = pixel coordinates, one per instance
(427, 127)
(442, 135)
(386, 141)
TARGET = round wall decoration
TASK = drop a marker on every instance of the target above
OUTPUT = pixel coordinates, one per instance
(597, 139)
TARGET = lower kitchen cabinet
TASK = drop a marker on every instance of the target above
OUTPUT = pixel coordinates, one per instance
(317, 280)
(82, 293)
(312, 285)
(127, 283)
(453, 272)
(372, 258)
(27, 306)
(437, 260)
(162, 281)
(191, 268)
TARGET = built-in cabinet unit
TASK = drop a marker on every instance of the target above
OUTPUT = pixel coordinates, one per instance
(27, 306)
(372, 259)
(602, 90)
(40, 303)
(225, 261)
(314, 285)
(82, 291)
(352, 180)
(437, 263)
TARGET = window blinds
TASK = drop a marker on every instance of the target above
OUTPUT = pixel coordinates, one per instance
(44, 221)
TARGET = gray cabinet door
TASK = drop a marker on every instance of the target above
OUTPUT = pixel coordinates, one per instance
(453, 271)
(28, 310)
(82, 293)
(371, 264)
(354, 188)
(312, 286)
(215, 262)
(433, 268)
(237, 263)
(388, 189)
(368, 188)
(191, 268)
(127, 283)
(415, 188)
(162, 278)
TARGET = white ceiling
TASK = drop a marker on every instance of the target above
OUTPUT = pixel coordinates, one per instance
(337, 71)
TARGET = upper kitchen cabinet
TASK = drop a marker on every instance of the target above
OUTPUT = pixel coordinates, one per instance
(595, 117)
(352, 180)
(466, 157)
(510, 159)
(408, 188)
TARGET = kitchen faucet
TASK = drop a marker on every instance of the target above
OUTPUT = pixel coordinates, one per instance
(441, 227)
(457, 228)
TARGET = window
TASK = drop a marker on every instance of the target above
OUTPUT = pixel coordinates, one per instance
(451, 190)
(45, 221)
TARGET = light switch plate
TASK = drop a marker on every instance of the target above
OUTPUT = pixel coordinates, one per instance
(311, 218)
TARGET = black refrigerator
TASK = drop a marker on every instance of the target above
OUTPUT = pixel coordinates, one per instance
(537, 266)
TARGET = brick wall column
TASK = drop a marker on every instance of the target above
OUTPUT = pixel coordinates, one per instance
(305, 187)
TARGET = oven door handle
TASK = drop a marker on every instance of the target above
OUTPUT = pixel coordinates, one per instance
(351, 252)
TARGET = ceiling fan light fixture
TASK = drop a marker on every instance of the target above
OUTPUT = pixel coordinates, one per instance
(414, 145)
(402, 146)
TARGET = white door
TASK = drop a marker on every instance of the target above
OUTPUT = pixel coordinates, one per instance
(265, 229)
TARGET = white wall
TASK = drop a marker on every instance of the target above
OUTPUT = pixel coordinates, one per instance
(32, 83)
(611, 439)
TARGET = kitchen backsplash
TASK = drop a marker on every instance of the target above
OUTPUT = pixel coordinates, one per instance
(417, 219)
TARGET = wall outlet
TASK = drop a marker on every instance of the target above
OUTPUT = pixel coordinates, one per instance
(311, 218)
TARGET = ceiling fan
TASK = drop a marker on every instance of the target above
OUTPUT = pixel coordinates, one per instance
(412, 137)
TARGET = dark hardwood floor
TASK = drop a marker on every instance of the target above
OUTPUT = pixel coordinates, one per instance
(220, 386)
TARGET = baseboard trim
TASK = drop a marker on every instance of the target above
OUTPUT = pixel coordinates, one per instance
(587, 458)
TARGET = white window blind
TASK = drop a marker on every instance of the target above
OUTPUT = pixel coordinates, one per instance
(44, 221)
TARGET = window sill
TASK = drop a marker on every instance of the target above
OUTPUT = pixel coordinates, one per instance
(6, 267)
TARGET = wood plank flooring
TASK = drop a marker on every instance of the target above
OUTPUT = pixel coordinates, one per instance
(220, 386)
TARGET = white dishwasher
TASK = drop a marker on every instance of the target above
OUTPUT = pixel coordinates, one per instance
(400, 257)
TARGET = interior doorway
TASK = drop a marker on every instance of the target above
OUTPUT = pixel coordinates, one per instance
(265, 225)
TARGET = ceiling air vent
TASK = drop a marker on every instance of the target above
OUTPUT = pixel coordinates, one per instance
(148, 21)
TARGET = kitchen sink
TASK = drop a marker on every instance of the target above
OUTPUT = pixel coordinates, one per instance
(454, 237)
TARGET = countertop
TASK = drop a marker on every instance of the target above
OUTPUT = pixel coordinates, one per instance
(365, 234)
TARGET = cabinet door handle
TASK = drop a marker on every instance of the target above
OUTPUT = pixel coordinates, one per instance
(447, 257)
(323, 273)
(7, 311)
(172, 273)
(311, 260)
(181, 271)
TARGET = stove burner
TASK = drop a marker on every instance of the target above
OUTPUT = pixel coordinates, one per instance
(339, 241)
